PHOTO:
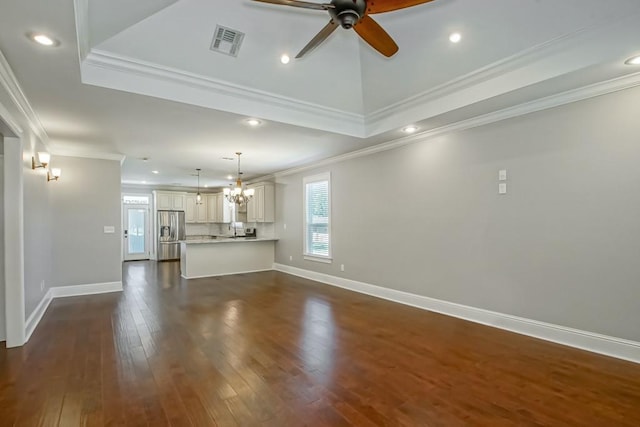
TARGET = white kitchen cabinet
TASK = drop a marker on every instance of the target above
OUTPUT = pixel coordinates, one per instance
(194, 212)
(212, 207)
(261, 208)
(225, 211)
(169, 201)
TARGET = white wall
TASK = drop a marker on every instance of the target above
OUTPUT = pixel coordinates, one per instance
(561, 247)
(86, 199)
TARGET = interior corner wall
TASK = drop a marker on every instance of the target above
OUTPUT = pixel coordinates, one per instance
(84, 201)
(37, 233)
(560, 247)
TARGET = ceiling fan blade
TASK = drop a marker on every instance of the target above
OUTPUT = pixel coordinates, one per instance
(303, 4)
(381, 6)
(319, 38)
(376, 36)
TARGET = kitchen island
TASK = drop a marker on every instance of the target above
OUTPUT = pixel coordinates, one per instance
(221, 256)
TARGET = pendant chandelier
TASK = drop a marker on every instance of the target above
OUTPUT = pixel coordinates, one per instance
(198, 195)
(238, 195)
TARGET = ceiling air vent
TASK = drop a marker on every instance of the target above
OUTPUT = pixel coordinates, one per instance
(226, 40)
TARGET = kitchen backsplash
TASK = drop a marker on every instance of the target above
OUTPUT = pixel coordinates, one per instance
(263, 229)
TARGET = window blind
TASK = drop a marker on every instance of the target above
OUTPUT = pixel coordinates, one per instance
(317, 221)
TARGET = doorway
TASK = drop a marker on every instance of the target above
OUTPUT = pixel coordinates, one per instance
(136, 228)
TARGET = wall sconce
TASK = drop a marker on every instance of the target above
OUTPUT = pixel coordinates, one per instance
(44, 160)
(54, 174)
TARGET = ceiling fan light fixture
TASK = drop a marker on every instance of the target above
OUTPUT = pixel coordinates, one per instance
(455, 37)
(348, 18)
(634, 60)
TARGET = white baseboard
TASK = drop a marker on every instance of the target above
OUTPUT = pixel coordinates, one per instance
(91, 289)
(226, 274)
(62, 292)
(36, 316)
(597, 343)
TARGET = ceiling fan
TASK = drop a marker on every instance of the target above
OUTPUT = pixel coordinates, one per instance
(353, 14)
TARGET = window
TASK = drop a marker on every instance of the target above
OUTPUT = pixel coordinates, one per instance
(317, 221)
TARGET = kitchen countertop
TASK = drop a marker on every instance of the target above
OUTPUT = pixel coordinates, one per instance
(227, 240)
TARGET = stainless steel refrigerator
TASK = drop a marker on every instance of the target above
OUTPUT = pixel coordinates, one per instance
(170, 231)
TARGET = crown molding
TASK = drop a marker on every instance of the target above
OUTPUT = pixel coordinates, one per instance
(81, 13)
(475, 77)
(11, 122)
(89, 155)
(571, 52)
(10, 83)
(116, 71)
(563, 98)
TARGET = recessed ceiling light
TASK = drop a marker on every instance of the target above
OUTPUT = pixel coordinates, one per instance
(206, 186)
(144, 182)
(156, 172)
(455, 37)
(285, 59)
(43, 39)
(229, 177)
(634, 60)
(410, 129)
(253, 122)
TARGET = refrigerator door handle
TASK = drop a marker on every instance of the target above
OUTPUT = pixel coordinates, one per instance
(173, 227)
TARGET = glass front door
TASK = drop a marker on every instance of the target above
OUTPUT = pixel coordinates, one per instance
(136, 236)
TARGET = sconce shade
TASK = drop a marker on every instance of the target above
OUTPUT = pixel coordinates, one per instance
(44, 157)
(54, 174)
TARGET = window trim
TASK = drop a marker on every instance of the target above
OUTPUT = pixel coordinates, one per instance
(325, 176)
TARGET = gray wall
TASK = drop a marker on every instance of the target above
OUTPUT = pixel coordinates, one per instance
(37, 232)
(561, 247)
(86, 199)
(3, 323)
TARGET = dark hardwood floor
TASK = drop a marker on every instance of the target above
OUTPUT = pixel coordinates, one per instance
(276, 350)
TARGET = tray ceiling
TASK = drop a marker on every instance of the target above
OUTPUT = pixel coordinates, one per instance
(137, 79)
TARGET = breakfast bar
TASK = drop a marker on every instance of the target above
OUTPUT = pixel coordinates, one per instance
(228, 255)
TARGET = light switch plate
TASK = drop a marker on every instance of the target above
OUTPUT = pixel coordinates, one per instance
(109, 229)
(502, 188)
(502, 175)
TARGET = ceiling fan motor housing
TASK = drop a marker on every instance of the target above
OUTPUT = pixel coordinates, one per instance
(347, 12)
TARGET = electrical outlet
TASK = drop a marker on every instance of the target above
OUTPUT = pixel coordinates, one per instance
(341, 267)
(285, 226)
(42, 286)
(290, 257)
